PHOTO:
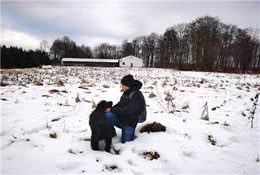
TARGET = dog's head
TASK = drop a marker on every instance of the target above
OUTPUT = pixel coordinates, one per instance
(103, 105)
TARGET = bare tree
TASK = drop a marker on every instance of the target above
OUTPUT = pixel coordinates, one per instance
(205, 38)
(105, 50)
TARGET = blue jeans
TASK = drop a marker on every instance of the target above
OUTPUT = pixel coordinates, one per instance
(128, 133)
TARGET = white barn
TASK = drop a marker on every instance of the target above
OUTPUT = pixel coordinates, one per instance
(131, 61)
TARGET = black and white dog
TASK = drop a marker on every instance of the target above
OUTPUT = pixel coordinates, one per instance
(99, 129)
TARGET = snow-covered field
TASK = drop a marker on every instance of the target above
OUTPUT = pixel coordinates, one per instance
(38, 102)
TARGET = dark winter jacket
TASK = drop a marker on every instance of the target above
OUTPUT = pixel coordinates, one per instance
(98, 123)
(128, 109)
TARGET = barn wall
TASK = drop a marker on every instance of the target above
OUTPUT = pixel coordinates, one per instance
(90, 64)
(128, 60)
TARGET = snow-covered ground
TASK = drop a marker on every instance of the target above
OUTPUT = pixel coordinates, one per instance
(174, 98)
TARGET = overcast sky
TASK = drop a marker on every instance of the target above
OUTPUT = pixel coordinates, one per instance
(26, 23)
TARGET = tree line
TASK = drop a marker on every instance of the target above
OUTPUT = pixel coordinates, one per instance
(205, 44)
(14, 57)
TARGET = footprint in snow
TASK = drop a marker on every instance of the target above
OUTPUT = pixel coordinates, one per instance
(69, 166)
(130, 162)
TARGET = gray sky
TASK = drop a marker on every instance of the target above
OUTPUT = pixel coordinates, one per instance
(26, 23)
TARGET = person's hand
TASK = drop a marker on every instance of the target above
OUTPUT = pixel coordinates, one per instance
(108, 110)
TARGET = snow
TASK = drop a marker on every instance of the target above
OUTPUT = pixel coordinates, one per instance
(46, 66)
(27, 111)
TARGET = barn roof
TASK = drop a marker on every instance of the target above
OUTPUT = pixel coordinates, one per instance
(90, 60)
(131, 57)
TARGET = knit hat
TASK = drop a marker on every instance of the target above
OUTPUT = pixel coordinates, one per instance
(127, 80)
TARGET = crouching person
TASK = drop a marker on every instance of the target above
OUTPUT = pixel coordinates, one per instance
(99, 127)
(126, 113)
